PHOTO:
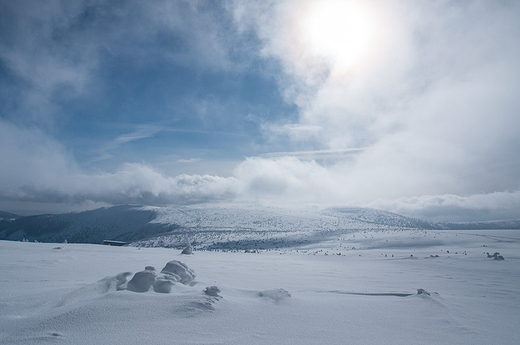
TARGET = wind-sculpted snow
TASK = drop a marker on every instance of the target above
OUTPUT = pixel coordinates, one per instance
(142, 281)
(179, 271)
(212, 291)
(276, 295)
(105, 285)
(174, 272)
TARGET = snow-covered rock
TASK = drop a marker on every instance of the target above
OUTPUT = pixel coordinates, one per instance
(162, 285)
(142, 281)
(212, 291)
(179, 271)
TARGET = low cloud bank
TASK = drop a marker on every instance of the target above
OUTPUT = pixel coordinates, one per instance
(477, 207)
(38, 169)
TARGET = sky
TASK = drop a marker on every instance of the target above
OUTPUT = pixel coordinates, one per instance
(407, 106)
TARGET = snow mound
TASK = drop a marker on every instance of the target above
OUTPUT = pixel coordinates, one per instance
(276, 295)
(422, 291)
(163, 285)
(496, 256)
(187, 251)
(212, 291)
(101, 287)
(142, 281)
(173, 272)
(179, 271)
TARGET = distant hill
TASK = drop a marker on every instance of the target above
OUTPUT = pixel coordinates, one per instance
(8, 216)
(373, 216)
(483, 225)
(123, 223)
(169, 226)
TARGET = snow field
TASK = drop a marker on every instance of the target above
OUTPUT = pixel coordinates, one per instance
(291, 296)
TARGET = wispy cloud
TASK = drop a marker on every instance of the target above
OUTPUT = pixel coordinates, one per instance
(315, 155)
(140, 132)
(191, 160)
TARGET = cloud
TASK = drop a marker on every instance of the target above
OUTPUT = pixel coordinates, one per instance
(428, 49)
(191, 160)
(137, 183)
(284, 180)
(292, 181)
(39, 169)
(315, 155)
(57, 50)
(140, 132)
(44, 62)
(490, 206)
(30, 156)
(433, 105)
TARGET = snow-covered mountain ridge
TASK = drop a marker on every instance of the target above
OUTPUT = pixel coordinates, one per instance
(8, 216)
(212, 226)
(126, 223)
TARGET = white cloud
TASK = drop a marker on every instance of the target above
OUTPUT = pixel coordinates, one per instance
(490, 206)
(39, 169)
(140, 132)
(284, 180)
(315, 155)
(137, 183)
(434, 105)
(191, 160)
(30, 156)
(55, 48)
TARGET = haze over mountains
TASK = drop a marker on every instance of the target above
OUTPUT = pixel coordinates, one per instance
(215, 226)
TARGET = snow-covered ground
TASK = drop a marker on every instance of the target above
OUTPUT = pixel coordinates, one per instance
(352, 288)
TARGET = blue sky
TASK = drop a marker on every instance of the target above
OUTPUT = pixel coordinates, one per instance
(405, 106)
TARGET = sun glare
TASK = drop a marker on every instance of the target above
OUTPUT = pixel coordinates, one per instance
(339, 31)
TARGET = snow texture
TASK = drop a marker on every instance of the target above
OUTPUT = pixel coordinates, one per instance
(276, 295)
(355, 287)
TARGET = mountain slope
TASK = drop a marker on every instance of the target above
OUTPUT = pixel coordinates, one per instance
(215, 226)
(373, 216)
(124, 223)
(8, 216)
(484, 225)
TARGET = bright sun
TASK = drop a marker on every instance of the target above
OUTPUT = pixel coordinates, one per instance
(339, 31)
